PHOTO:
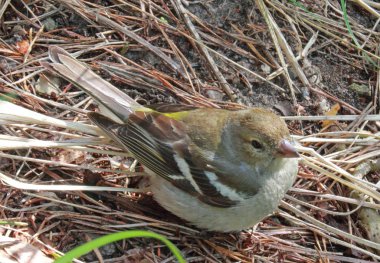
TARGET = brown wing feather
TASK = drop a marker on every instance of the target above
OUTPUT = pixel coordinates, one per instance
(154, 139)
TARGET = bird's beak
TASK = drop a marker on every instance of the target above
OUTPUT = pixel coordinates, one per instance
(287, 150)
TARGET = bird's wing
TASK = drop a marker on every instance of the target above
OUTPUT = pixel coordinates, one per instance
(160, 143)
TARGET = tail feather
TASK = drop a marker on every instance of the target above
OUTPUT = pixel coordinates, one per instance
(107, 95)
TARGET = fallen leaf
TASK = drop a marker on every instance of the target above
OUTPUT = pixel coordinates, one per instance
(22, 46)
(332, 112)
(13, 250)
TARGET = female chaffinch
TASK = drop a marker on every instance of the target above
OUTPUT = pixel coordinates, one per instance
(220, 170)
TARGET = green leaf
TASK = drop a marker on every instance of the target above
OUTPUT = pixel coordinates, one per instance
(96, 243)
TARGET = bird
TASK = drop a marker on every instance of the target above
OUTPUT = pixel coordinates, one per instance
(219, 170)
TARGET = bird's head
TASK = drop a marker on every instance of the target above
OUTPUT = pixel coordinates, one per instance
(257, 136)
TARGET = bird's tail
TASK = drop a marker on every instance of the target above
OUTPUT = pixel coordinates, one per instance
(107, 95)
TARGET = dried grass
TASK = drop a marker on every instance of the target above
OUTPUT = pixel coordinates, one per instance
(47, 144)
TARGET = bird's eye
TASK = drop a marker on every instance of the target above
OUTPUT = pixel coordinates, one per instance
(257, 145)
